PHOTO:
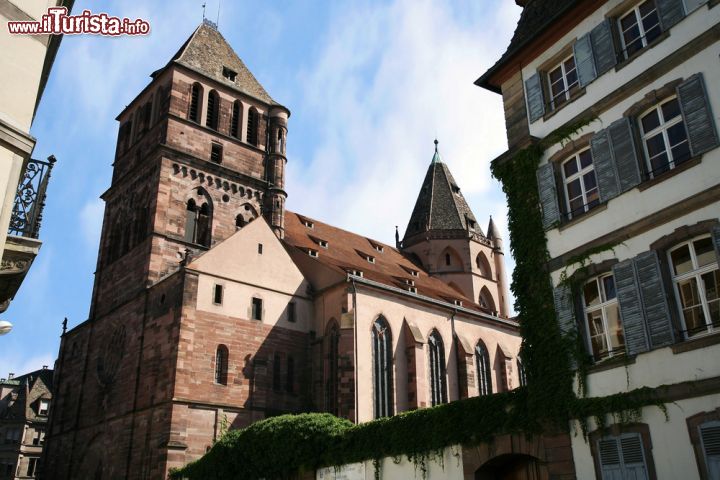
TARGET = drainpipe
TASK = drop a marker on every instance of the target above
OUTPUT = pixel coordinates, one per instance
(355, 350)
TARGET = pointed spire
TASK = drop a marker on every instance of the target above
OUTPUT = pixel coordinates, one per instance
(397, 238)
(492, 232)
(436, 158)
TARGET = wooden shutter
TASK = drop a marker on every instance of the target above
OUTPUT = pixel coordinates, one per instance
(624, 153)
(670, 12)
(631, 312)
(535, 98)
(604, 166)
(654, 300)
(603, 47)
(696, 113)
(548, 195)
(565, 311)
(631, 448)
(716, 241)
(710, 438)
(584, 61)
(610, 459)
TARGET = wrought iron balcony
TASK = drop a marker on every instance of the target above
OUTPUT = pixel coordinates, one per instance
(30, 198)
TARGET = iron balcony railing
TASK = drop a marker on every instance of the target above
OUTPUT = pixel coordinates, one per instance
(30, 198)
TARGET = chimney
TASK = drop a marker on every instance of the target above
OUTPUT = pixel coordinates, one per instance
(11, 375)
(44, 367)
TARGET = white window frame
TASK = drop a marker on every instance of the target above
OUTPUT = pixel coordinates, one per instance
(602, 307)
(563, 77)
(40, 407)
(635, 10)
(662, 128)
(578, 175)
(697, 274)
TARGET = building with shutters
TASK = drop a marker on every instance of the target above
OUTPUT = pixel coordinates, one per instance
(214, 306)
(25, 403)
(636, 196)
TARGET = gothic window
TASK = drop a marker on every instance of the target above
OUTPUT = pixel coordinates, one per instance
(448, 261)
(198, 221)
(522, 375)
(221, 365)
(331, 382)
(483, 265)
(213, 108)
(486, 299)
(290, 375)
(158, 104)
(482, 362)
(438, 391)
(235, 123)
(257, 308)
(252, 127)
(195, 97)
(280, 141)
(382, 368)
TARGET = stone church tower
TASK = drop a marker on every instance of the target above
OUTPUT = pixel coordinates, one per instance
(447, 239)
(200, 153)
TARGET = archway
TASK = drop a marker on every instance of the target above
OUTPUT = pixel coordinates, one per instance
(511, 467)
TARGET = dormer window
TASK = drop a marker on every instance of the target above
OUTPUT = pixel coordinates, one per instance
(370, 258)
(229, 74)
(378, 248)
(308, 223)
(323, 243)
(412, 289)
(455, 189)
(409, 282)
(312, 253)
(458, 303)
(357, 273)
(471, 224)
(43, 407)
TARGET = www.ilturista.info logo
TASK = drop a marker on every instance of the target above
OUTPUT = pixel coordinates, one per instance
(58, 22)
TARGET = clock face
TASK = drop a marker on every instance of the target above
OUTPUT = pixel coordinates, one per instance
(111, 356)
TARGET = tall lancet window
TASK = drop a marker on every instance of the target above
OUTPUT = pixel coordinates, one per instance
(195, 96)
(438, 390)
(213, 108)
(235, 124)
(382, 368)
(221, 365)
(198, 222)
(331, 382)
(482, 361)
(252, 127)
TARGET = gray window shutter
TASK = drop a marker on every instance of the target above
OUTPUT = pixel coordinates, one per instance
(716, 241)
(548, 195)
(604, 166)
(603, 47)
(631, 447)
(655, 306)
(610, 459)
(696, 113)
(584, 61)
(624, 153)
(710, 438)
(631, 312)
(565, 309)
(535, 98)
(692, 5)
(670, 11)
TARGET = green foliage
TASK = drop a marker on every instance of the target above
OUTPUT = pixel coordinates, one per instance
(281, 446)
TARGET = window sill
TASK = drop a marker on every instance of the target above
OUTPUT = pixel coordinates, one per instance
(697, 343)
(579, 218)
(611, 363)
(573, 96)
(624, 63)
(670, 173)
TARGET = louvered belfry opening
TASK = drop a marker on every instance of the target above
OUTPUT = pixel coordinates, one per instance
(235, 123)
(213, 107)
(382, 368)
(194, 113)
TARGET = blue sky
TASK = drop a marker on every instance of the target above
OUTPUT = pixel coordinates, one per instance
(370, 84)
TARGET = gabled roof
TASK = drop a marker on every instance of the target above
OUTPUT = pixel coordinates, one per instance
(440, 204)
(536, 17)
(206, 51)
(347, 252)
(18, 404)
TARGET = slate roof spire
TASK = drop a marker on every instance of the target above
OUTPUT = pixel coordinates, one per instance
(440, 206)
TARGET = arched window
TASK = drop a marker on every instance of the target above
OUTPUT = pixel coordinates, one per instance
(252, 127)
(482, 362)
(438, 392)
(331, 382)
(195, 98)
(486, 299)
(522, 375)
(221, 365)
(198, 222)
(483, 265)
(382, 368)
(240, 222)
(448, 260)
(235, 123)
(213, 108)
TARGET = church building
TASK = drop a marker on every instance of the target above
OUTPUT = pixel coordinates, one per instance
(214, 306)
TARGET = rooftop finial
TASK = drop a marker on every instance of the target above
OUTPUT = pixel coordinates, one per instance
(436, 157)
(203, 7)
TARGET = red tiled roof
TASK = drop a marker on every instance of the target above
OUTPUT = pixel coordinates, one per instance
(348, 251)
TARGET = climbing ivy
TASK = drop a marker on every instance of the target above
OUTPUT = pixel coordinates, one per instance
(282, 446)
